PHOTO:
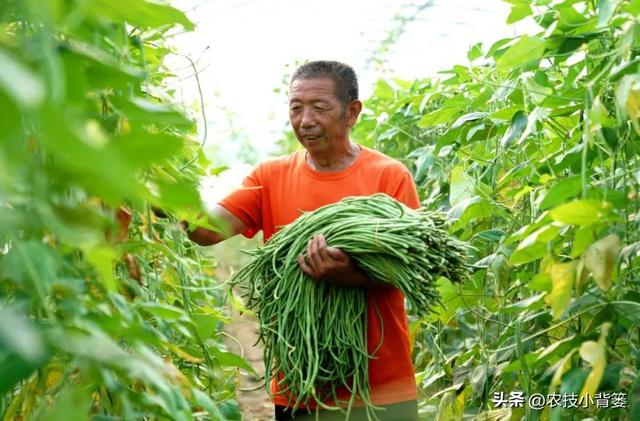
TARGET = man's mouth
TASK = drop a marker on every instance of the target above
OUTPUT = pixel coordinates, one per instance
(311, 138)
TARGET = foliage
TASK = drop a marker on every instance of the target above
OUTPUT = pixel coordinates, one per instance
(105, 310)
(532, 148)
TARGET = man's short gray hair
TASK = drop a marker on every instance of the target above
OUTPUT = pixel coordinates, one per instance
(342, 74)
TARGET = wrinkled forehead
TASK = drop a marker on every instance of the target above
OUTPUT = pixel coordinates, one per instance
(312, 89)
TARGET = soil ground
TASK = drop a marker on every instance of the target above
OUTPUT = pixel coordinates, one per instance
(255, 405)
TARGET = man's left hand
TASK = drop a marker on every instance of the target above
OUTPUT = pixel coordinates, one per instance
(324, 263)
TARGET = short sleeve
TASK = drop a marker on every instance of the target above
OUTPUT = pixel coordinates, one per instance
(405, 191)
(245, 203)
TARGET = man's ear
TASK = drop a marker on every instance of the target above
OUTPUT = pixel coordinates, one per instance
(353, 111)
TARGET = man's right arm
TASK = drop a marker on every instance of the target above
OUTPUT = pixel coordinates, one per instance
(229, 224)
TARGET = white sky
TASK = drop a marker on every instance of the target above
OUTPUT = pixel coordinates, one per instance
(245, 48)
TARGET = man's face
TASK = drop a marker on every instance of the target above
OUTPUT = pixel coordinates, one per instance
(316, 114)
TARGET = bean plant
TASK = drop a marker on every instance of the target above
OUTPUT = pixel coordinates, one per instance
(531, 147)
(106, 311)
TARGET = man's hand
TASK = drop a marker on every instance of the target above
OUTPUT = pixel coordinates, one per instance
(324, 263)
(229, 225)
(329, 264)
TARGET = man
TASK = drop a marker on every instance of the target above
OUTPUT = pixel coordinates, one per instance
(323, 106)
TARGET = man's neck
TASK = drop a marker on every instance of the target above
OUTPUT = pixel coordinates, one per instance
(333, 160)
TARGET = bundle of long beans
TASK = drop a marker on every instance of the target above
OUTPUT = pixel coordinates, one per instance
(314, 334)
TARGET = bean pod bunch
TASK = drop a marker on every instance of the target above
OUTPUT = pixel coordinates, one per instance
(314, 334)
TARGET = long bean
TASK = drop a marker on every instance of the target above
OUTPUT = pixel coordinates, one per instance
(314, 335)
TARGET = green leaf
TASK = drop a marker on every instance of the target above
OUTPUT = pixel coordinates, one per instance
(11, 126)
(207, 403)
(22, 349)
(17, 80)
(559, 347)
(467, 210)
(515, 130)
(80, 226)
(629, 309)
(606, 9)
(516, 365)
(164, 311)
(526, 50)
(599, 117)
(581, 212)
(534, 246)
(141, 149)
(562, 280)
(462, 186)
(565, 189)
(496, 49)
(538, 114)
(450, 298)
(573, 381)
(439, 116)
(103, 259)
(468, 117)
(146, 111)
(178, 195)
(500, 269)
(582, 238)
(95, 165)
(623, 69)
(206, 325)
(505, 114)
(230, 410)
(383, 90)
(540, 282)
(20, 336)
(569, 19)
(425, 160)
(492, 235)
(519, 11)
(623, 90)
(475, 52)
(31, 264)
(73, 403)
(536, 90)
(141, 13)
(229, 359)
(478, 379)
(534, 302)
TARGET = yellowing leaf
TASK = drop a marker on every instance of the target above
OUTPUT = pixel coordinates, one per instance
(451, 407)
(562, 277)
(185, 355)
(53, 379)
(633, 103)
(600, 260)
(562, 367)
(594, 353)
(581, 277)
(502, 414)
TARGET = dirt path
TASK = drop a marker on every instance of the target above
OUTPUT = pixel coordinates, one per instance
(255, 405)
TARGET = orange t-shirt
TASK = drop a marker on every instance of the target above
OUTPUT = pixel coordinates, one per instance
(276, 193)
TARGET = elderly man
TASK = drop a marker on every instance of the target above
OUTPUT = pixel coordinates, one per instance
(323, 106)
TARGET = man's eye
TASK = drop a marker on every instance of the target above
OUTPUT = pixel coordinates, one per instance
(295, 109)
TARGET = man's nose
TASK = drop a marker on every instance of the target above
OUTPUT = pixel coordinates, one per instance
(308, 118)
